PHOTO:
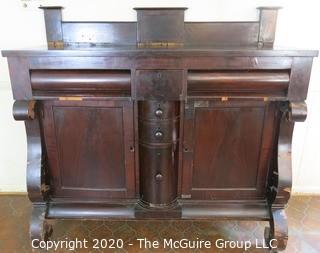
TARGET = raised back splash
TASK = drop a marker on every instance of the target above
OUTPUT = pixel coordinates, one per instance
(160, 28)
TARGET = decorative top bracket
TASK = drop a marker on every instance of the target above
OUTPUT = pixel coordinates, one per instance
(267, 25)
(160, 27)
(53, 21)
(297, 111)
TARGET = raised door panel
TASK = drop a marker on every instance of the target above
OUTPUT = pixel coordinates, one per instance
(227, 148)
(89, 148)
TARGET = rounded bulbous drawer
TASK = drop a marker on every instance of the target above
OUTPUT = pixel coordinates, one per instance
(158, 110)
(158, 173)
(158, 132)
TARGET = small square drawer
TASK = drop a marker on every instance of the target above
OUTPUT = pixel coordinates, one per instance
(159, 84)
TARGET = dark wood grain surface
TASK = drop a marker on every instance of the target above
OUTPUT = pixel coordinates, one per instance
(227, 146)
(160, 119)
(88, 152)
(88, 81)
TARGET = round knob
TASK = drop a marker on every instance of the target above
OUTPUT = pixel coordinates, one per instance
(158, 134)
(158, 112)
(159, 177)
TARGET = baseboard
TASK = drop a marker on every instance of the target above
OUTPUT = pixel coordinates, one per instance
(306, 190)
(13, 193)
(12, 189)
(296, 191)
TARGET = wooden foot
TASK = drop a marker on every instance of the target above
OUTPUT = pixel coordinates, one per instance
(276, 236)
(40, 228)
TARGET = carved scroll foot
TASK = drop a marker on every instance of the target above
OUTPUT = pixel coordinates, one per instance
(276, 236)
(37, 182)
(280, 177)
(40, 228)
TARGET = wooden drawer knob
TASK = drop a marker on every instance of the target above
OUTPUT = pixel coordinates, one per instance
(158, 134)
(158, 113)
(159, 177)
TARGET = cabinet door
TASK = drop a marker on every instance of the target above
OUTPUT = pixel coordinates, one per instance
(89, 146)
(227, 148)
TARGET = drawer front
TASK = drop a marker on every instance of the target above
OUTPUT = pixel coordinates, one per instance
(158, 111)
(74, 82)
(158, 132)
(158, 154)
(223, 83)
(159, 84)
(158, 170)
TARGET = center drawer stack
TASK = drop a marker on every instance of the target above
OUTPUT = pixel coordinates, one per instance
(158, 142)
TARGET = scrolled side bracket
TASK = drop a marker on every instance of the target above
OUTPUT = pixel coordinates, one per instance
(24, 110)
(280, 179)
(28, 112)
(297, 111)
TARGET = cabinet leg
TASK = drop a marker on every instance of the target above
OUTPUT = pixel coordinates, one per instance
(276, 236)
(40, 228)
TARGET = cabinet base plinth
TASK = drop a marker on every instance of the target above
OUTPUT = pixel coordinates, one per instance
(172, 211)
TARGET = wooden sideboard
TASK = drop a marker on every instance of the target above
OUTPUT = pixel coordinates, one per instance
(159, 118)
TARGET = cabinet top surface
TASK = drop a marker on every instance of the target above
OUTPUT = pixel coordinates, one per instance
(101, 51)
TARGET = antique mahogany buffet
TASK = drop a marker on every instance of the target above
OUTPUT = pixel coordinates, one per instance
(159, 119)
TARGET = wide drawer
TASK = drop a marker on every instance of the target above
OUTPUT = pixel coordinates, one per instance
(115, 82)
(259, 82)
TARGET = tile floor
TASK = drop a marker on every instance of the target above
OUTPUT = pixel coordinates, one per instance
(303, 217)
